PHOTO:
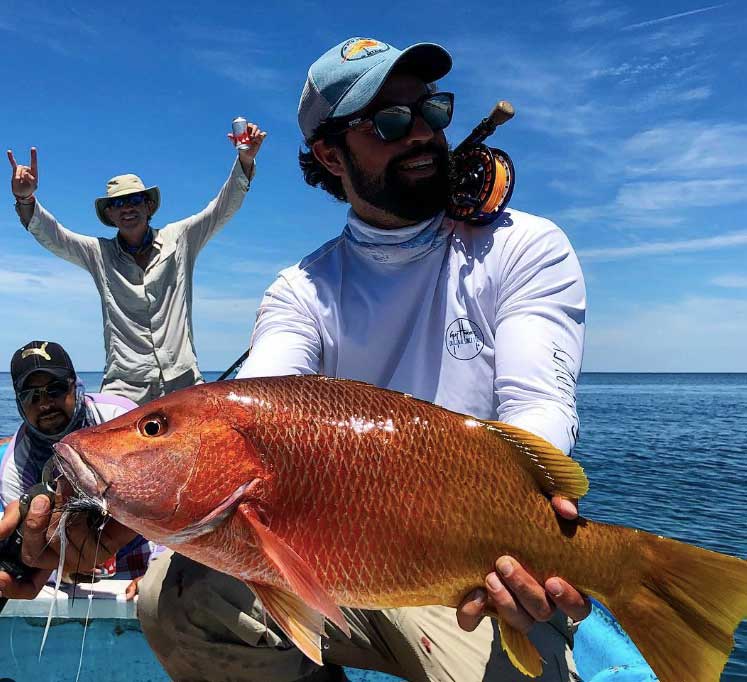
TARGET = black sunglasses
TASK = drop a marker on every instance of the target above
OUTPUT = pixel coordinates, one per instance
(395, 122)
(127, 200)
(54, 389)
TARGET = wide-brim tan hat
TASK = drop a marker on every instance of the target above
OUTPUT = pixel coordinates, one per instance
(120, 186)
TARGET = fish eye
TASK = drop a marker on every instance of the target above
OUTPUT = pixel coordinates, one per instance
(152, 426)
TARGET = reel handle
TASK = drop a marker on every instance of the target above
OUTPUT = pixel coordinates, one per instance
(502, 112)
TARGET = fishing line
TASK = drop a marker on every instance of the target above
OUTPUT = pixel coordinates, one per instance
(90, 600)
(12, 644)
(61, 526)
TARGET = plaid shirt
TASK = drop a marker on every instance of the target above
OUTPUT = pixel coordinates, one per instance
(133, 559)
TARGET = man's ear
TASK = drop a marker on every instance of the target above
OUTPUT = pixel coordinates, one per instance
(329, 156)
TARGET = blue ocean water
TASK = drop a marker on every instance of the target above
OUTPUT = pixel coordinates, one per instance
(665, 453)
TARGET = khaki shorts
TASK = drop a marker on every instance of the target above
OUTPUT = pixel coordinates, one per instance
(207, 626)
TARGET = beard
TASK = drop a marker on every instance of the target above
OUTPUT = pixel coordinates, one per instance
(407, 199)
(52, 422)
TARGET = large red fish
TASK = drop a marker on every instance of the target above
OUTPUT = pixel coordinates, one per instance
(319, 492)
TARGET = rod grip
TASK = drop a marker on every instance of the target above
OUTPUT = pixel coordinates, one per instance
(502, 112)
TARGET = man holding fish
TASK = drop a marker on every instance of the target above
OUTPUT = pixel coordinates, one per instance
(52, 403)
(344, 503)
(487, 321)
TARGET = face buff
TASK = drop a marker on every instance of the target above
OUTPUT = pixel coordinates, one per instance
(402, 245)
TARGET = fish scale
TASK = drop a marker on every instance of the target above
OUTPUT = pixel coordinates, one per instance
(319, 492)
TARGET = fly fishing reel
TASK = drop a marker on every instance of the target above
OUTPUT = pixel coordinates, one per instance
(481, 178)
(10, 548)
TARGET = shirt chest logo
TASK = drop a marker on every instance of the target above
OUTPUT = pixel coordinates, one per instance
(464, 339)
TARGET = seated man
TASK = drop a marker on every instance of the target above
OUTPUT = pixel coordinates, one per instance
(487, 321)
(52, 404)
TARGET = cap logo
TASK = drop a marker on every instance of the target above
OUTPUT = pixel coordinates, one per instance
(360, 48)
(37, 351)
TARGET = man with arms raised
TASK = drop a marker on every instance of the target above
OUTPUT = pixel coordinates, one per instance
(143, 274)
(487, 321)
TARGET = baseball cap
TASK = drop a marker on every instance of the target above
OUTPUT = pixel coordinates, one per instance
(40, 356)
(347, 77)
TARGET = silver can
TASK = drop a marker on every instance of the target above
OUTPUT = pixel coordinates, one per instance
(240, 133)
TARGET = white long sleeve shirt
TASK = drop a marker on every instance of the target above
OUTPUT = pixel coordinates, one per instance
(147, 314)
(487, 321)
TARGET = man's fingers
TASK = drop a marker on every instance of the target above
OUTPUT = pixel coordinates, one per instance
(12, 159)
(34, 551)
(28, 589)
(506, 605)
(523, 588)
(568, 599)
(34, 165)
(132, 589)
(10, 520)
(470, 611)
(565, 508)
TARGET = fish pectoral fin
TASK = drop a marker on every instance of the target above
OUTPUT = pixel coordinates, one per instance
(520, 651)
(555, 472)
(300, 622)
(302, 580)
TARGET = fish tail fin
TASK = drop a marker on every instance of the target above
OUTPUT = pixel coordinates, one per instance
(683, 612)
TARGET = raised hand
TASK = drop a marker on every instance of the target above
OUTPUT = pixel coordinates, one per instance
(254, 137)
(24, 179)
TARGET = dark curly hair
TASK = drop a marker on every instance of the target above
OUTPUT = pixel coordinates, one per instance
(314, 172)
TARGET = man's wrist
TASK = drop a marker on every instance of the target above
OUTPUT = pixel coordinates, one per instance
(25, 201)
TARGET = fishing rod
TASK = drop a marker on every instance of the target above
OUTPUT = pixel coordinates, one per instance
(236, 363)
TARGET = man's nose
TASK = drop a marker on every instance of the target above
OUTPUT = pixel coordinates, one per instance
(421, 132)
(45, 403)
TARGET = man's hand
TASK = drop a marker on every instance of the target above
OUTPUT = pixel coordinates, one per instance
(24, 180)
(517, 598)
(85, 547)
(132, 588)
(254, 138)
(10, 588)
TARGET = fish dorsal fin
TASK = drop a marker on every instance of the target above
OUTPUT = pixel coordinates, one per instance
(555, 472)
(302, 580)
(300, 622)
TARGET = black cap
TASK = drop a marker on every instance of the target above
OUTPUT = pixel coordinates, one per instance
(40, 356)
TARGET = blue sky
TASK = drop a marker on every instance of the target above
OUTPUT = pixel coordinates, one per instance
(630, 133)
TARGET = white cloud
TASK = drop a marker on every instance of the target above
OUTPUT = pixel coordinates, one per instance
(263, 268)
(640, 198)
(696, 334)
(665, 248)
(40, 282)
(228, 310)
(687, 148)
(230, 65)
(730, 281)
(671, 17)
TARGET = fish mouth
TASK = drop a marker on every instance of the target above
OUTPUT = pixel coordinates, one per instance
(84, 478)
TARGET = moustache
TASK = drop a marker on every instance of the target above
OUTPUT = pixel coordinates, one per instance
(441, 153)
(53, 413)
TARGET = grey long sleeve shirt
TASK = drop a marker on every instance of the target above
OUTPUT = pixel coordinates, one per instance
(147, 313)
